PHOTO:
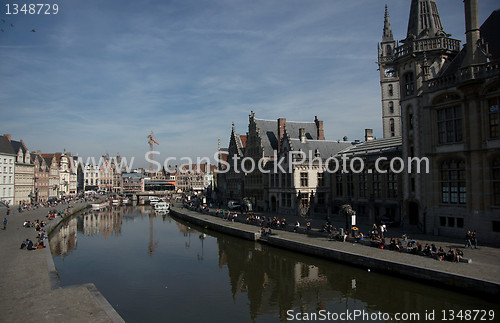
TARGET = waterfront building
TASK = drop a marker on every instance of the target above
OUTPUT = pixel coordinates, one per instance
(106, 175)
(263, 142)
(65, 175)
(132, 183)
(195, 178)
(42, 172)
(449, 97)
(52, 161)
(234, 177)
(220, 191)
(302, 185)
(24, 173)
(90, 177)
(375, 195)
(7, 171)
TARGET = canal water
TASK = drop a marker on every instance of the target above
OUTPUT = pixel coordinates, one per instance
(153, 268)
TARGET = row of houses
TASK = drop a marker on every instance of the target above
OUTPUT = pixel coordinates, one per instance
(34, 177)
(439, 104)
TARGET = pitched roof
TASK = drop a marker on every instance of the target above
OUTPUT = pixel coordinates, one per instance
(375, 146)
(16, 145)
(268, 131)
(5, 146)
(325, 148)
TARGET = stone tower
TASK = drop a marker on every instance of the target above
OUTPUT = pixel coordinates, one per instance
(423, 55)
(389, 82)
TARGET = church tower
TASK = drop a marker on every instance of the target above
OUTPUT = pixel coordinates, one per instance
(389, 82)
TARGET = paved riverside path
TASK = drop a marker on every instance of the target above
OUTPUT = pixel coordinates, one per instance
(26, 290)
(485, 265)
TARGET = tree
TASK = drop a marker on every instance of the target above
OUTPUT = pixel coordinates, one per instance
(347, 212)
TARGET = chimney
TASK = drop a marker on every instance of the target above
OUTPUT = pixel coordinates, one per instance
(368, 134)
(472, 33)
(281, 130)
(7, 136)
(319, 128)
(302, 135)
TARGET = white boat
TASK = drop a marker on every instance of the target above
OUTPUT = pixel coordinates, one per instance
(115, 202)
(162, 206)
(125, 201)
(153, 200)
(99, 205)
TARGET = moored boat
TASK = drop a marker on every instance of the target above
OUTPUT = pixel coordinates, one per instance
(99, 205)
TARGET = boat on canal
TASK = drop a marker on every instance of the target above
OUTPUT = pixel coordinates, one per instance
(99, 205)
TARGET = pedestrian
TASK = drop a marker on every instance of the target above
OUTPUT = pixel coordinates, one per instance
(468, 242)
(5, 223)
(473, 239)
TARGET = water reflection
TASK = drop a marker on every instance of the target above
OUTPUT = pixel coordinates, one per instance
(251, 281)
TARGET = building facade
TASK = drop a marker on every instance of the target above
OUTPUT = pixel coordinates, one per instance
(42, 172)
(449, 102)
(24, 177)
(301, 186)
(7, 171)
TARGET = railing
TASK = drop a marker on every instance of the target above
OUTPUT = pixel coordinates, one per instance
(427, 44)
(465, 74)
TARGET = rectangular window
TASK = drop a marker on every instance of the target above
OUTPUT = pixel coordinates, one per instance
(304, 180)
(442, 221)
(321, 179)
(449, 125)
(453, 189)
(362, 184)
(451, 222)
(493, 116)
(338, 183)
(376, 185)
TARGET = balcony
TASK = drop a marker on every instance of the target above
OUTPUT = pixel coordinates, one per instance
(427, 44)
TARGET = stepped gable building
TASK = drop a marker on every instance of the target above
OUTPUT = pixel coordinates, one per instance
(7, 171)
(42, 171)
(449, 101)
(24, 173)
(263, 143)
(52, 161)
(302, 187)
(234, 177)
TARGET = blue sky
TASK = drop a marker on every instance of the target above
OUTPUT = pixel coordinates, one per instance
(100, 75)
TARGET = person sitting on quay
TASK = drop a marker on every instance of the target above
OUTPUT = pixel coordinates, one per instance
(297, 226)
(308, 226)
(441, 254)
(283, 223)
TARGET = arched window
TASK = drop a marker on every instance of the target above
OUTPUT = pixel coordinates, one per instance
(453, 189)
(391, 123)
(388, 50)
(409, 85)
(391, 107)
(391, 90)
(496, 180)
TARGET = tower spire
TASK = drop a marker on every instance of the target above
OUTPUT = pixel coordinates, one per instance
(424, 20)
(387, 33)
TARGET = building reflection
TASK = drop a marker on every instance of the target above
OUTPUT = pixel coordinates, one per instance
(106, 222)
(64, 239)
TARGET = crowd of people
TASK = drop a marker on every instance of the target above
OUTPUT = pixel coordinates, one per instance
(40, 238)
